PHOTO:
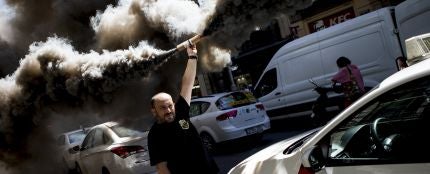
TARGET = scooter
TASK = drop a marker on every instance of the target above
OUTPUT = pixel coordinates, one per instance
(320, 115)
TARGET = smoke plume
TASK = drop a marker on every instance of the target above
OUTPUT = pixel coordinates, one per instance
(234, 20)
(83, 62)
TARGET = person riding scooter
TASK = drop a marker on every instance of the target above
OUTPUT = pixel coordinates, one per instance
(320, 115)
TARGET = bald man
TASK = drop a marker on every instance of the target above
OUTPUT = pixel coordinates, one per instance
(174, 143)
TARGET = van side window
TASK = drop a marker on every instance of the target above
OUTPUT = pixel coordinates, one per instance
(267, 84)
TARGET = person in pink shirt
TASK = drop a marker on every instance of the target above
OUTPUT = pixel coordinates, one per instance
(351, 80)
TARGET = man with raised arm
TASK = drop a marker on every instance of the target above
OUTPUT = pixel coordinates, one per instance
(174, 143)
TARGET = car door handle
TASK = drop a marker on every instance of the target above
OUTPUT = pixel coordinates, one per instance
(278, 93)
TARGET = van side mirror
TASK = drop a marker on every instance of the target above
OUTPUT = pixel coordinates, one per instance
(314, 159)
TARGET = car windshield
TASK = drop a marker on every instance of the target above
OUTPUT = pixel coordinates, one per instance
(235, 99)
(76, 137)
(123, 131)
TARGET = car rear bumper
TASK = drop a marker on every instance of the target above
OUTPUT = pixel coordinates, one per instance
(134, 164)
(234, 133)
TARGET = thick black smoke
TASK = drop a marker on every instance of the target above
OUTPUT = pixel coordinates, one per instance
(37, 20)
(8, 60)
(31, 21)
(56, 79)
(234, 20)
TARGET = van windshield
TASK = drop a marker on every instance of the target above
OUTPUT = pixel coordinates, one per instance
(235, 99)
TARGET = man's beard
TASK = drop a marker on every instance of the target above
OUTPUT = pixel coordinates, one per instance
(168, 118)
(165, 118)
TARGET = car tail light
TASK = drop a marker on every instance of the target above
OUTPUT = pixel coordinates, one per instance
(125, 151)
(260, 106)
(304, 170)
(227, 115)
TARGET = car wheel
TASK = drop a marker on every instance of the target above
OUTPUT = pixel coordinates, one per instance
(208, 142)
(105, 170)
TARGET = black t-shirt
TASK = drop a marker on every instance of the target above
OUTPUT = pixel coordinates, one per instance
(178, 143)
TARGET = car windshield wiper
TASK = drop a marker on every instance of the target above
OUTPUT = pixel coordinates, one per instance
(298, 143)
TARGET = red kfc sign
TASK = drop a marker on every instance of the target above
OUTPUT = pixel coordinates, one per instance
(331, 20)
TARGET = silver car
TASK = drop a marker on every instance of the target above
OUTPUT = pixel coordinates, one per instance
(227, 116)
(383, 132)
(114, 148)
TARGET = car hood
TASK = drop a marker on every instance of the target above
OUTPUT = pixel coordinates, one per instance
(272, 159)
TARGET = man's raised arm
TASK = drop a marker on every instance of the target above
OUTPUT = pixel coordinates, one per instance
(190, 73)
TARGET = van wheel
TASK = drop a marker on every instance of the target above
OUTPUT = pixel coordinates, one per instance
(208, 142)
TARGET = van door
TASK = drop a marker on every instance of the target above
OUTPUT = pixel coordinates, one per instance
(268, 89)
(364, 50)
(367, 41)
(296, 73)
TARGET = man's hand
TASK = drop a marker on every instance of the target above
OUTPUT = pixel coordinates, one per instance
(191, 49)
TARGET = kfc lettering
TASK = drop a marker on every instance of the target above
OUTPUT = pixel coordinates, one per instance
(331, 20)
(340, 19)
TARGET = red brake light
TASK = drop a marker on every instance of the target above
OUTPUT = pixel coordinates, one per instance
(304, 170)
(227, 115)
(125, 151)
(260, 106)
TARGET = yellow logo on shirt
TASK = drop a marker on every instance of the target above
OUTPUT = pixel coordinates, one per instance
(184, 124)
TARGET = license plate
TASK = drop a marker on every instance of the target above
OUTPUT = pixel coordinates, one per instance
(253, 130)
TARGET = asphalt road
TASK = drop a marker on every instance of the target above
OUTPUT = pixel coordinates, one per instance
(231, 153)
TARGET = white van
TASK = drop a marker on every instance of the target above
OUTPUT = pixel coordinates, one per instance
(370, 41)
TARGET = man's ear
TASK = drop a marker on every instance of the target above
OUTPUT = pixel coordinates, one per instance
(154, 113)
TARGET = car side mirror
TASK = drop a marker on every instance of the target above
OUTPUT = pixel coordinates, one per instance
(314, 159)
(74, 149)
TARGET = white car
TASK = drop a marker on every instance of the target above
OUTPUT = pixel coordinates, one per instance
(114, 148)
(66, 141)
(227, 116)
(383, 132)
